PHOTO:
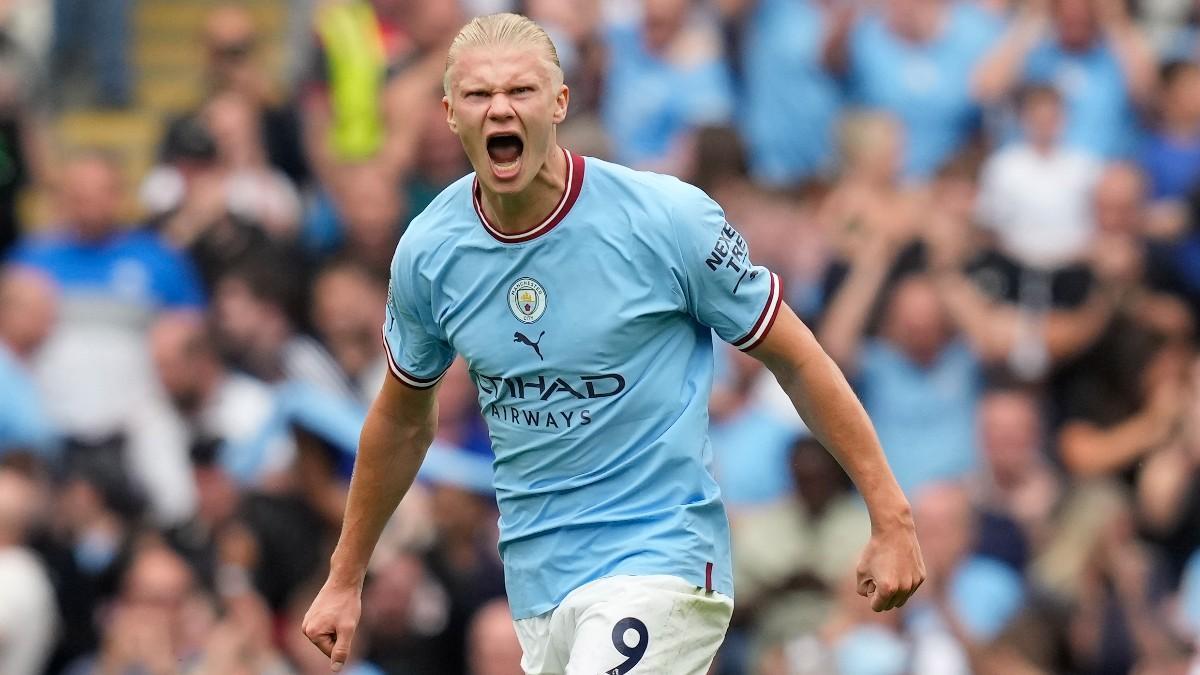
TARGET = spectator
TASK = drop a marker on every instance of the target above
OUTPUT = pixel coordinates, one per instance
(1122, 397)
(574, 26)
(913, 59)
(1170, 155)
(370, 211)
(347, 311)
(243, 642)
(791, 555)
(253, 307)
(103, 30)
(1036, 195)
(255, 191)
(667, 77)
(362, 44)
(416, 86)
(210, 405)
(751, 441)
(25, 139)
(159, 622)
(1120, 624)
(93, 525)
(1016, 480)
(492, 641)
(970, 599)
(404, 620)
(919, 380)
(28, 615)
(1093, 54)
(463, 561)
(782, 86)
(1168, 492)
(202, 196)
(28, 308)
(235, 65)
(439, 157)
(868, 201)
(112, 281)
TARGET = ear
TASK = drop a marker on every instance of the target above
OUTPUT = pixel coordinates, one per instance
(450, 121)
(561, 103)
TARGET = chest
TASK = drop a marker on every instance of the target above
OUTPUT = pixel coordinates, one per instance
(560, 306)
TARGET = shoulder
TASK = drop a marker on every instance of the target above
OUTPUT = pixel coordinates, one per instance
(1008, 155)
(38, 247)
(612, 180)
(144, 242)
(654, 201)
(973, 22)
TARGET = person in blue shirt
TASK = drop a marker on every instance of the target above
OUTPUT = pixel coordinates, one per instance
(1170, 154)
(92, 254)
(1092, 52)
(112, 281)
(583, 297)
(783, 87)
(666, 77)
(914, 59)
(28, 306)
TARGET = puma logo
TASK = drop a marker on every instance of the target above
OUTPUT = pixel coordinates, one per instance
(520, 337)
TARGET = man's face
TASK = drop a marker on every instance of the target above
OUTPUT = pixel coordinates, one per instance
(1075, 21)
(1042, 119)
(91, 198)
(1010, 431)
(504, 103)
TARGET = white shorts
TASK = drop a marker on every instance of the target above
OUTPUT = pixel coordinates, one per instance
(644, 625)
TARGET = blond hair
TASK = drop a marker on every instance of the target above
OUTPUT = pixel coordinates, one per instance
(861, 132)
(494, 30)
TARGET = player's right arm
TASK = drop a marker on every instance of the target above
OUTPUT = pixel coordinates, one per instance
(398, 430)
(396, 434)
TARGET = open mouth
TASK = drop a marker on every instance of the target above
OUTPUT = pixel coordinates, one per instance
(505, 152)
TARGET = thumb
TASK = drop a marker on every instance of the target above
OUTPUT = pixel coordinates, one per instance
(866, 586)
(341, 648)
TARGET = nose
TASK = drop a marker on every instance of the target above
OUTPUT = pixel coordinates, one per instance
(501, 108)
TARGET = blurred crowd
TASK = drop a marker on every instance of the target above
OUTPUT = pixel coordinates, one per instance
(987, 210)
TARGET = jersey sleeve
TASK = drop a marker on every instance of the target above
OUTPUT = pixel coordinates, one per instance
(417, 354)
(722, 288)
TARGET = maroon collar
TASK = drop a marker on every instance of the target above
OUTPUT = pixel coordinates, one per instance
(570, 194)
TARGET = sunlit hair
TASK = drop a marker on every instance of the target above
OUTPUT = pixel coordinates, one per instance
(496, 30)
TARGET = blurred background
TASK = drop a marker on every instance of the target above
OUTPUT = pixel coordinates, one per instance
(986, 209)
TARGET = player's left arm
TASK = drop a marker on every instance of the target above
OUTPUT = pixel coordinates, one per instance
(891, 567)
(743, 303)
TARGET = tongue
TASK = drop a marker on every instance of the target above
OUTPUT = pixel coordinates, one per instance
(504, 150)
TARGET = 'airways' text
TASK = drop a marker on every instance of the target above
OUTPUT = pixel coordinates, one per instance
(545, 419)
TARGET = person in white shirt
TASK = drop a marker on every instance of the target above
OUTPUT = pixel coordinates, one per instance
(28, 614)
(1035, 194)
(212, 404)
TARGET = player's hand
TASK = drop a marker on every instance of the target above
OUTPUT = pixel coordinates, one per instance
(891, 568)
(332, 619)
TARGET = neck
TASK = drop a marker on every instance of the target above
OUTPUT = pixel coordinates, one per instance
(517, 212)
(1043, 146)
(20, 351)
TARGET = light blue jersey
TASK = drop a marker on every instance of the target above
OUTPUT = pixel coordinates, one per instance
(589, 340)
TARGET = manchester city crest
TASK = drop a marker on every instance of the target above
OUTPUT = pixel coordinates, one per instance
(527, 299)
